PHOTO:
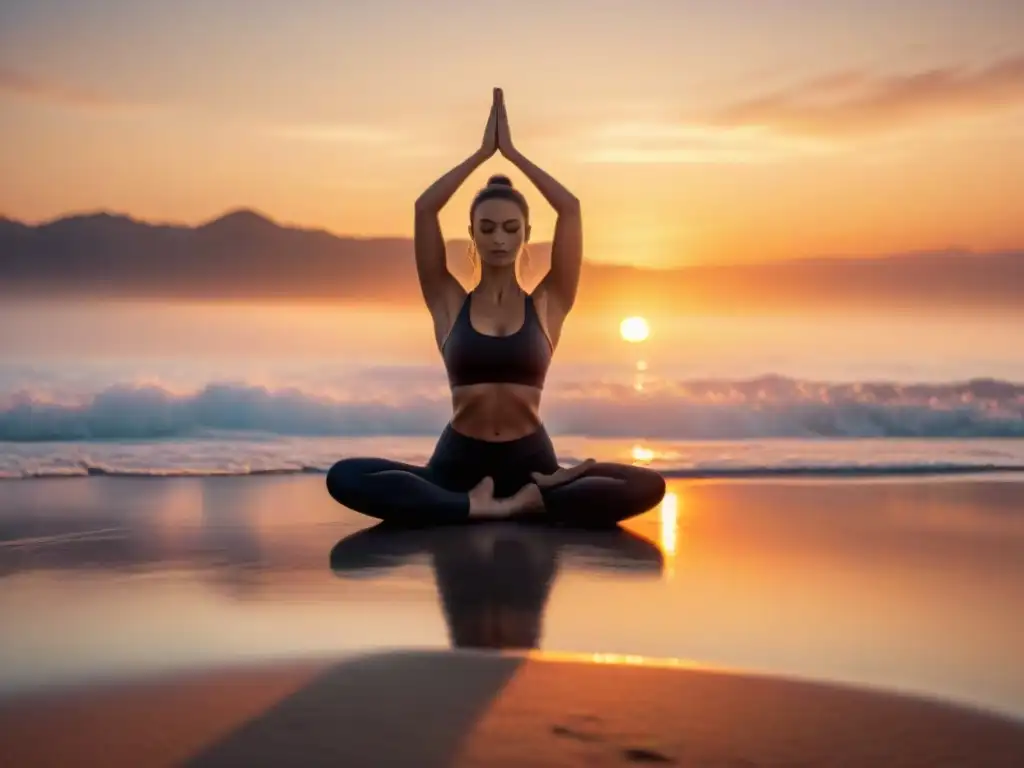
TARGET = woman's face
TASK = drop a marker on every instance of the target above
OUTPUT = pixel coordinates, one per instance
(499, 232)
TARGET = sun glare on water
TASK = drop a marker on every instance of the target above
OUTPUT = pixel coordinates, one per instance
(641, 454)
(634, 329)
(669, 513)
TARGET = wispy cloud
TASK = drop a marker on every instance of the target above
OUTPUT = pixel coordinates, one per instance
(855, 103)
(19, 84)
(337, 133)
(816, 116)
(381, 139)
(22, 85)
(664, 142)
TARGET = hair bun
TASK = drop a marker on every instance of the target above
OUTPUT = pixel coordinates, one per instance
(499, 180)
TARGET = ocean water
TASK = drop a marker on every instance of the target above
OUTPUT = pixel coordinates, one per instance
(187, 389)
(895, 580)
(261, 454)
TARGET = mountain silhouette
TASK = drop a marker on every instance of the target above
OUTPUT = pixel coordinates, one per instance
(244, 255)
(241, 255)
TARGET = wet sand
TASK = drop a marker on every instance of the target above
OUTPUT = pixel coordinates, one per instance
(907, 586)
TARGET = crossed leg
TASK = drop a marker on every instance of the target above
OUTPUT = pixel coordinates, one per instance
(408, 494)
(606, 493)
(395, 492)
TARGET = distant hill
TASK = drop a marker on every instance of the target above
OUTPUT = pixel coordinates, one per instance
(244, 255)
(241, 255)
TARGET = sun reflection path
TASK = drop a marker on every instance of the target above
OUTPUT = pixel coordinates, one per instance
(636, 330)
(639, 379)
(668, 513)
(627, 659)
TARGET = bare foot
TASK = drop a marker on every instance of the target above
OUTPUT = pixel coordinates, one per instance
(527, 500)
(482, 503)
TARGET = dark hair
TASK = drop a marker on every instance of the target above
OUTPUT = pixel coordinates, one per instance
(500, 186)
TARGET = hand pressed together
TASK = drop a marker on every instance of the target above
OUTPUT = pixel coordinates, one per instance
(504, 132)
(489, 143)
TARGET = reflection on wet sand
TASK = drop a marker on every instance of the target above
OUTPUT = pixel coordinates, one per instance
(913, 585)
(255, 539)
(494, 580)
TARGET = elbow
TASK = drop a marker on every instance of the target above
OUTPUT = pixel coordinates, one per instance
(570, 206)
(425, 207)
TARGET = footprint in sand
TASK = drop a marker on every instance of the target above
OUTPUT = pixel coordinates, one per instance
(571, 733)
(580, 732)
(641, 755)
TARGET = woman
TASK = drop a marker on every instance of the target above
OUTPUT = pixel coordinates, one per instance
(494, 458)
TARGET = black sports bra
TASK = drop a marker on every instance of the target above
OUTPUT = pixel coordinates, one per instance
(471, 357)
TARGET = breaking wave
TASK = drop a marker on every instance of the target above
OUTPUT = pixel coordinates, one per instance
(765, 407)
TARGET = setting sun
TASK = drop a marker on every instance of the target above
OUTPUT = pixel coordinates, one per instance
(634, 329)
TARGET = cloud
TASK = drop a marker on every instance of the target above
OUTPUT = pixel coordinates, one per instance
(663, 142)
(379, 138)
(22, 85)
(858, 103)
(817, 116)
(25, 86)
(337, 133)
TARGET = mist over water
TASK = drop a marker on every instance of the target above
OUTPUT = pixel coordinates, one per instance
(190, 345)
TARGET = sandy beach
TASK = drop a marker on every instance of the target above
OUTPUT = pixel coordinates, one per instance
(157, 620)
(465, 708)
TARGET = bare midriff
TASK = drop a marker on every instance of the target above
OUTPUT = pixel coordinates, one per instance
(496, 412)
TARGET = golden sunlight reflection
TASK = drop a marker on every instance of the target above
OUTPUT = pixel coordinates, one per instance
(669, 512)
(639, 378)
(642, 455)
(626, 659)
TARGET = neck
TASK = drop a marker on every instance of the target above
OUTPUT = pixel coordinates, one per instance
(498, 283)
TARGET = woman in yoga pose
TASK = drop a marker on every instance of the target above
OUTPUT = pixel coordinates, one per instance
(495, 459)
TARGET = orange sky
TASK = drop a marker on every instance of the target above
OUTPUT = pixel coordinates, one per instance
(690, 133)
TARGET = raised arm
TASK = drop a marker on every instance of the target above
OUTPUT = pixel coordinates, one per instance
(558, 288)
(441, 291)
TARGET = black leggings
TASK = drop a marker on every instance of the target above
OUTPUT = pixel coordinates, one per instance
(437, 493)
